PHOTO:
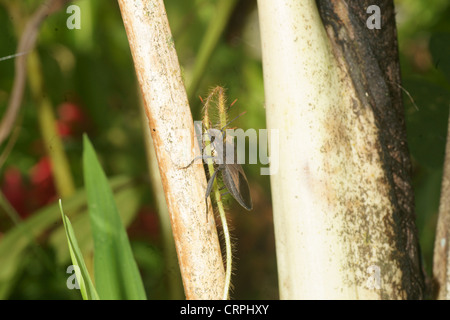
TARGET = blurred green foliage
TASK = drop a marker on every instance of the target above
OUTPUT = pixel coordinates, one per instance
(424, 42)
(92, 69)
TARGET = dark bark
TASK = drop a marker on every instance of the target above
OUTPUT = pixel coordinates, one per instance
(370, 58)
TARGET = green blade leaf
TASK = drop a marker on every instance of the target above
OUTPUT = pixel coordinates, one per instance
(128, 199)
(84, 280)
(14, 243)
(116, 272)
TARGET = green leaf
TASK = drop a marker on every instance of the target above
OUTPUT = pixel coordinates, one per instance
(84, 280)
(128, 199)
(116, 273)
(14, 242)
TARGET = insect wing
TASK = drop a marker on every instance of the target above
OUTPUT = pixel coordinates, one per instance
(236, 182)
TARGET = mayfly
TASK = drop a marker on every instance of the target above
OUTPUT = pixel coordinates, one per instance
(222, 158)
(233, 175)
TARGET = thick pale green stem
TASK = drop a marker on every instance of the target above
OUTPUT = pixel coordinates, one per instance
(333, 213)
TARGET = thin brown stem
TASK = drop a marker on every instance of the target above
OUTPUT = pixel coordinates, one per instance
(26, 44)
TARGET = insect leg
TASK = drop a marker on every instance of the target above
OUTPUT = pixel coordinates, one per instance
(196, 158)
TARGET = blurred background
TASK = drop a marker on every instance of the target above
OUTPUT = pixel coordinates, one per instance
(88, 77)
